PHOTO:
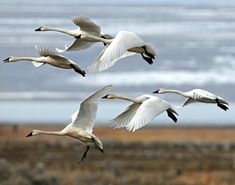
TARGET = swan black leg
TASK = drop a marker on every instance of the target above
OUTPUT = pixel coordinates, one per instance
(100, 149)
(97, 147)
(222, 106)
(147, 53)
(78, 70)
(172, 116)
(84, 154)
(147, 59)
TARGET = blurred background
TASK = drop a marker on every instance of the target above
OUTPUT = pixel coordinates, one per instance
(194, 41)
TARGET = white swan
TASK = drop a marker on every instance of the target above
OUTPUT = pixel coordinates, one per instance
(123, 45)
(143, 109)
(197, 95)
(86, 36)
(82, 122)
(50, 57)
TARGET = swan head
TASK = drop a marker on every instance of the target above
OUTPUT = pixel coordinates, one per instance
(33, 133)
(9, 59)
(41, 28)
(159, 91)
(110, 96)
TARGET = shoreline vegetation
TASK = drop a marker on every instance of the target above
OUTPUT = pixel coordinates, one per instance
(175, 132)
(163, 156)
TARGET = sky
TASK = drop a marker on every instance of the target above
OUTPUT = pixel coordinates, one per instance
(134, 2)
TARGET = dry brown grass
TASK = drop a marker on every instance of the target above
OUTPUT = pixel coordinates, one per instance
(142, 135)
(152, 156)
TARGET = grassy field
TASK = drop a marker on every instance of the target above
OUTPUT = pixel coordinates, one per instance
(151, 156)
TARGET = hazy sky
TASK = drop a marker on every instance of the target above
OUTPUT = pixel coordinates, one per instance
(217, 2)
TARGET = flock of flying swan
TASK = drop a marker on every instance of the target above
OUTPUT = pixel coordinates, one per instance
(142, 109)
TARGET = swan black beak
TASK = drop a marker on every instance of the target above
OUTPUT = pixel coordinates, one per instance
(38, 29)
(6, 60)
(105, 97)
(157, 91)
(30, 134)
(78, 36)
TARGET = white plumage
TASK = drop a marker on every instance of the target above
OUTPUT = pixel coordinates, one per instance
(143, 109)
(123, 45)
(48, 56)
(198, 95)
(82, 122)
(88, 29)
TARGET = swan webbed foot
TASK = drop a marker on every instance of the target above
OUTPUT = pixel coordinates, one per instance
(148, 54)
(171, 115)
(222, 106)
(78, 70)
(96, 146)
(100, 149)
(147, 59)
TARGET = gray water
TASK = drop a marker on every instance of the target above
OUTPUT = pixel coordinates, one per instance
(59, 112)
(194, 42)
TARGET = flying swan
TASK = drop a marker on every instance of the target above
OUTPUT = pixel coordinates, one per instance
(82, 122)
(198, 95)
(86, 36)
(142, 110)
(48, 56)
(124, 44)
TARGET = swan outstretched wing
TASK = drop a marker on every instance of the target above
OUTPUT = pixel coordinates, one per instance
(200, 93)
(207, 97)
(146, 112)
(99, 65)
(116, 50)
(86, 24)
(77, 45)
(85, 118)
(125, 117)
(47, 52)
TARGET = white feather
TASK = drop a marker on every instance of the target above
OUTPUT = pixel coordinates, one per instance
(85, 118)
(37, 64)
(125, 117)
(148, 110)
(117, 50)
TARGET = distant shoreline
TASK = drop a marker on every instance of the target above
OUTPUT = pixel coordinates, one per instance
(149, 134)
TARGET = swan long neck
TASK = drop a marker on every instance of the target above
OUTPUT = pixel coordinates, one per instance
(61, 30)
(15, 59)
(94, 38)
(58, 133)
(173, 91)
(124, 98)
